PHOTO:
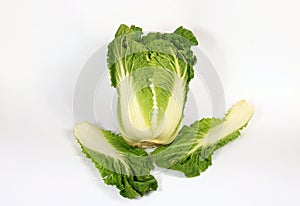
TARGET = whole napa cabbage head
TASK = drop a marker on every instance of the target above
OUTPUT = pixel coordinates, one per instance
(151, 74)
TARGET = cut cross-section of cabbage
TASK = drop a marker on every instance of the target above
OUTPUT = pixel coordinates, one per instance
(120, 164)
(192, 149)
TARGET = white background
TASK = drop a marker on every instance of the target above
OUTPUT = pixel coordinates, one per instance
(254, 46)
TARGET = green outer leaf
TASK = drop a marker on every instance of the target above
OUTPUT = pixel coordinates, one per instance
(130, 172)
(191, 151)
(186, 34)
(129, 43)
(124, 29)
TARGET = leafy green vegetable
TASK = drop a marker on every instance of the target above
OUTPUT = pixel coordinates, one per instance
(191, 151)
(120, 164)
(151, 74)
